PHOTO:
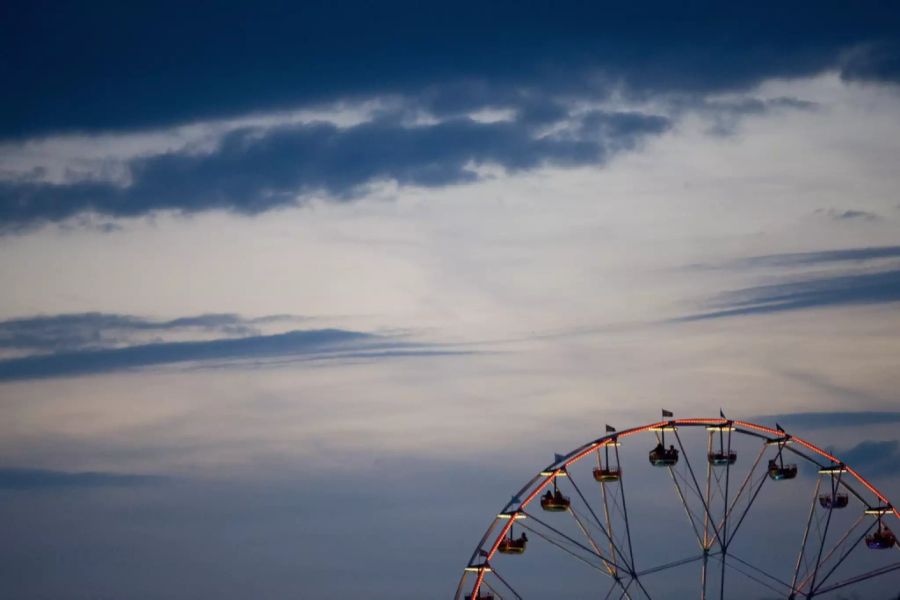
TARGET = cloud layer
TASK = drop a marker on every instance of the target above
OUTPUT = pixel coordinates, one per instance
(256, 169)
(124, 66)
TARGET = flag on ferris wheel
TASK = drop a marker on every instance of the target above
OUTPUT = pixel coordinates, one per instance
(667, 413)
(610, 428)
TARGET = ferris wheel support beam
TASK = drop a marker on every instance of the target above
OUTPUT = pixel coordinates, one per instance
(760, 571)
(725, 518)
(746, 481)
(628, 526)
(506, 583)
(569, 539)
(740, 522)
(687, 462)
(814, 590)
(607, 534)
(824, 535)
(800, 556)
(862, 577)
(834, 548)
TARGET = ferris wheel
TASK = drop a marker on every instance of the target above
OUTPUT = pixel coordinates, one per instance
(718, 508)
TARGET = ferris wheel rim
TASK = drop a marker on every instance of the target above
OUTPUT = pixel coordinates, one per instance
(548, 475)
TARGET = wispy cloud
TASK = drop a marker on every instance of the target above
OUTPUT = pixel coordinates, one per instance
(54, 333)
(799, 259)
(849, 214)
(294, 343)
(838, 290)
(42, 479)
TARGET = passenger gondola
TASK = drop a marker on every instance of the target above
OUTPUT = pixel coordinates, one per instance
(882, 539)
(722, 458)
(662, 457)
(779, 471)
(511, 545)
(554, 501)
(832, 502)
(605, 475)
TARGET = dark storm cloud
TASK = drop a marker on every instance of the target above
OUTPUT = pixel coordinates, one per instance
(122, 65)
(42, 479)
(294, 343)
(254, 169)
(90, 330)
(839, 290)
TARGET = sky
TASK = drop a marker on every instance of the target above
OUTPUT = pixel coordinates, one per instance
(297, 295)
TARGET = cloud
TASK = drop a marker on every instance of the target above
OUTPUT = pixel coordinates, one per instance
(93, 330)
(725, 114)
(42, 479)
(256, 169)
(122, 66)
(819, 257)
(293, 343)
(873, 458)
(838, 290)
(826, 420)
(872, 61)
(849, 214)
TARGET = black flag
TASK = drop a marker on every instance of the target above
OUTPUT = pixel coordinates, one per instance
(667, 413)
(779, 428)
(609, 428)
(721, 413)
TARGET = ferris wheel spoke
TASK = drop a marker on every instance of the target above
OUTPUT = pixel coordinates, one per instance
(607, 533)
(590, 538)
(625, 590)
(612, 588)
(506, 583)
(627, 525)
(858, 578)
(569, 539)
(562, 547)
(815, 589)
(760, 571)
(834, 549)
(824, 534)
(747, 508)
(672, 565)
(725, 519)
(801, 556)
(488, 585)
(687, 462)
(687, 509)
(744, 485)
(761, 582)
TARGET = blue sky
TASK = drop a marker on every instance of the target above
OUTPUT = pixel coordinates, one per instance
(284, 281)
